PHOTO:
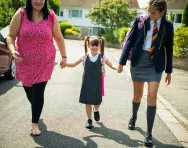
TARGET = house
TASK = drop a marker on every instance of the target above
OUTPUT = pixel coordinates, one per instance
(175, 11)
(74, 12)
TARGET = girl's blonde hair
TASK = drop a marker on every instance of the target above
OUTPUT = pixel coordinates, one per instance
(95, 40)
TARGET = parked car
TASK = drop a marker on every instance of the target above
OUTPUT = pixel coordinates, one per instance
(6, 60)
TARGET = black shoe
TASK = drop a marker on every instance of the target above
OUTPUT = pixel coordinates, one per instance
(96, 115)
(148, 140)
(131, 125)
(89, 124)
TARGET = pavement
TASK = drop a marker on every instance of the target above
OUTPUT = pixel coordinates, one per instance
(63, 117)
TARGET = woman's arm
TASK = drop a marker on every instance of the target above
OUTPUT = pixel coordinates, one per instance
(12, 34)
(74, 64)
(113, 66)
(58, 37)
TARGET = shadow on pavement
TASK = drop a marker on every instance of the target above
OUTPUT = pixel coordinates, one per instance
(158, 144)
(6, 85)
(111, 134)
(51, 139)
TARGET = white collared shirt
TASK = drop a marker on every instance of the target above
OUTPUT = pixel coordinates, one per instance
(93, 58)
(148, 40)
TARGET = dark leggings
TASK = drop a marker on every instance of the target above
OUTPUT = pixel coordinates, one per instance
(35, 95)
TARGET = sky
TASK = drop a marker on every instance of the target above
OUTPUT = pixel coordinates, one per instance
(142, 3)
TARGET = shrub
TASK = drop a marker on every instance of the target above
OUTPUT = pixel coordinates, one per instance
(181, 42)
(64, 26)
(109, 36)
(76, 29)
(71, 32)
(117, 36)
(185, 15)
(121, 33)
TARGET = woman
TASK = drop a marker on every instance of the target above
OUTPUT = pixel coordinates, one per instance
(35, 27)
(155, 35)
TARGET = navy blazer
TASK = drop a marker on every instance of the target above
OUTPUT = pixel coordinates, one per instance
(163, 54)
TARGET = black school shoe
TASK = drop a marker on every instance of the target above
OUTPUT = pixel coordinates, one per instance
(89, 124)
(148, 140)
(131, 125)
(96, 115)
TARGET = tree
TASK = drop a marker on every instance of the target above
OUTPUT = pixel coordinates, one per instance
(111, 14)
(54, 5)
(185, 16)
(9, 7)
(7, 10)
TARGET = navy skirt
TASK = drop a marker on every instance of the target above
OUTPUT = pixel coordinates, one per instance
(144, 71)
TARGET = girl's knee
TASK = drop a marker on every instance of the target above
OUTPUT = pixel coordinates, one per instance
(151, 102)
(152, 96)
(137, 98)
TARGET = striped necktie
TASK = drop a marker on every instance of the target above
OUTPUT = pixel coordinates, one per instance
(154, 38)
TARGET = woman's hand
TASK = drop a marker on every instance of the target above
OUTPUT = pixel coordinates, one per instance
(119, 68)
(63, 62)
(168, 79)
(16, 56)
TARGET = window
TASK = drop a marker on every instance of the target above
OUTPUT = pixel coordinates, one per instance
(178, 18)
(175, 17)
(61, 13)
(75, 13)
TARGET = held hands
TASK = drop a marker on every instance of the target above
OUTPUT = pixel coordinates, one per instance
(119, 68)
(16, 56)
(168, 79)
(63, 62)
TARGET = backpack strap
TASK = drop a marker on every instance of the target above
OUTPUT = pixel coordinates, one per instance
(103, 64)
(83, 62)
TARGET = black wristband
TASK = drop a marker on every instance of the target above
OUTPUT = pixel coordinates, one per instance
(64, 57)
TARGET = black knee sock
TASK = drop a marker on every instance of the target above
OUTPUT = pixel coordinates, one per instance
(151, 111)
(135, 109)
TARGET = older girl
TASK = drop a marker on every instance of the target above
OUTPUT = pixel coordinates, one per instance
(152, 42)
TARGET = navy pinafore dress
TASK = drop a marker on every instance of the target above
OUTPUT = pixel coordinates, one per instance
(91, 90)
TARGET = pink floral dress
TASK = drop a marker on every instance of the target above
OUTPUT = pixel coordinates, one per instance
(36, 48)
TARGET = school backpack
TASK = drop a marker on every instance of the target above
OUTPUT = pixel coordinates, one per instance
(140, 25)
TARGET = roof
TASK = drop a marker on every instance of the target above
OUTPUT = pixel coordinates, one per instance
(133, 4)
(89, 3)
(176, 4)
(78, 3)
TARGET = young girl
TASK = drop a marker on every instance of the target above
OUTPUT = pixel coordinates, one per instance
(92, 84)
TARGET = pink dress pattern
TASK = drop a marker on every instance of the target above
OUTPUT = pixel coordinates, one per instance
(36, 48)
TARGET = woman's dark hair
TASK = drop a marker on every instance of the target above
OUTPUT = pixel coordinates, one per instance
(28, 9)
(160, 5)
